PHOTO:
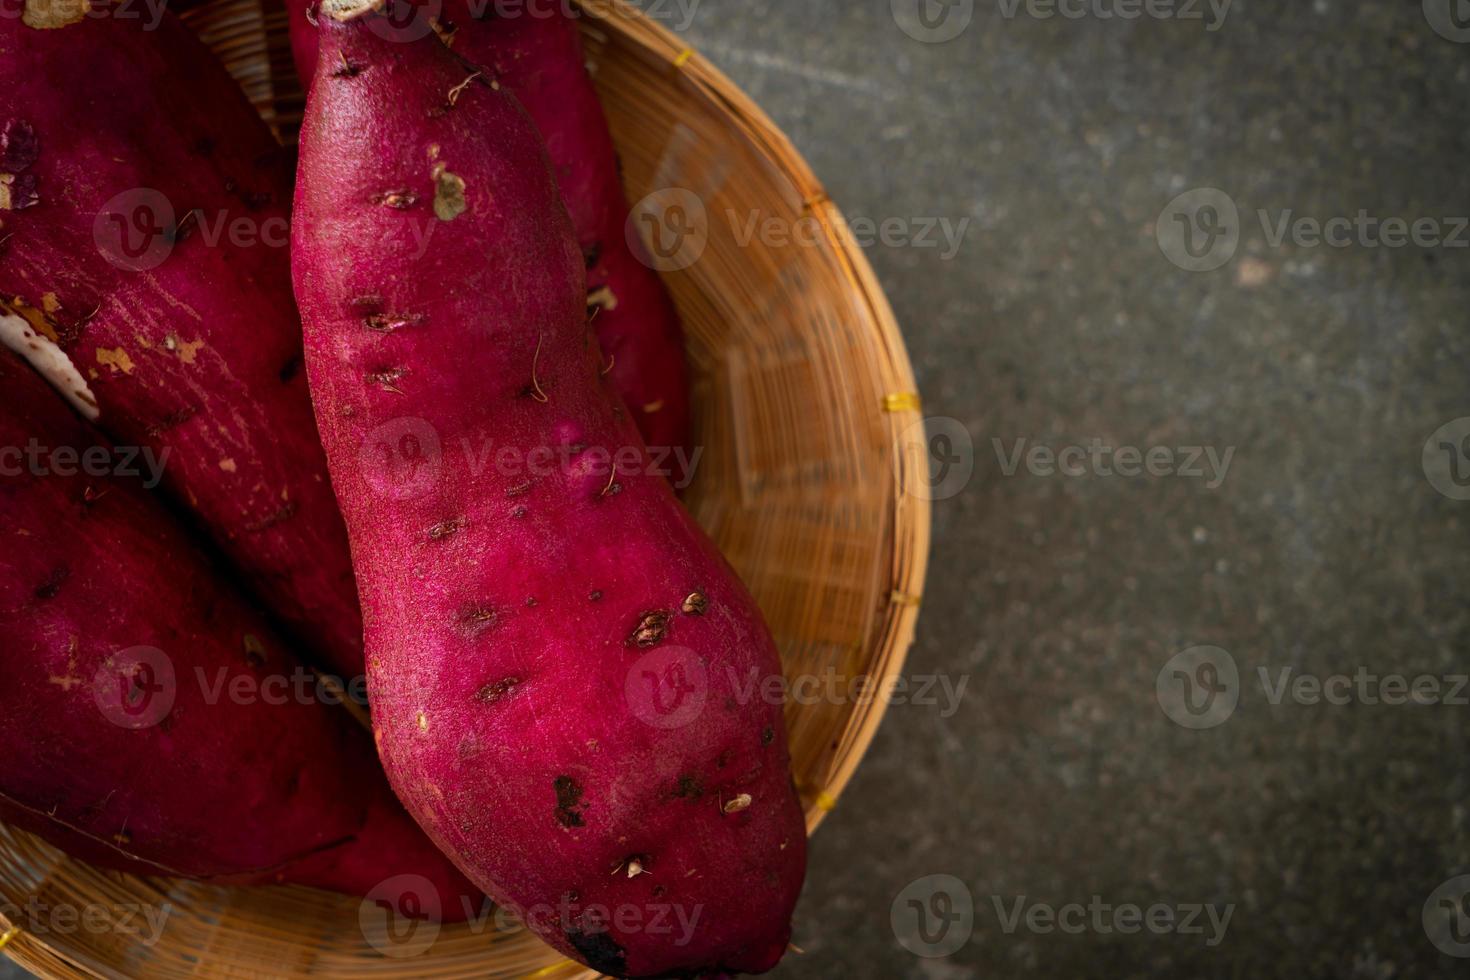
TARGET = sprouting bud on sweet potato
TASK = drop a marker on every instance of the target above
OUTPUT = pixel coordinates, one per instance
(537, 56)
(145, 267)
(151, 716)
(522, 734)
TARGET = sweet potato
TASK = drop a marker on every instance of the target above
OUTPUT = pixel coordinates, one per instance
(143, 237)
(514, 612)
(537, 55)
(156, 724)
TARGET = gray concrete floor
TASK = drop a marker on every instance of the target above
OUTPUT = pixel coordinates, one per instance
(1326, 549)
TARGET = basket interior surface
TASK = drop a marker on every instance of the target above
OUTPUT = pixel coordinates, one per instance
(811, 441)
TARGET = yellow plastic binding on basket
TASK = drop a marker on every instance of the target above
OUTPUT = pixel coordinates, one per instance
(902, 401)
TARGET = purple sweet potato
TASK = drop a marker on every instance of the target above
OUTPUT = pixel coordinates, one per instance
(515, 613)
(156, 723)
(143, 240)
(537, 55)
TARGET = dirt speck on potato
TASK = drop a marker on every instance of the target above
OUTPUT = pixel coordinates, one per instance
(50, 14)
(498, 691)
(449, 202)
(568, 802)
(652, 627)
(116, 358)
(19, 146)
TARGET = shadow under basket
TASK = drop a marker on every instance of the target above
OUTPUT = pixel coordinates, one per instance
(812, 481)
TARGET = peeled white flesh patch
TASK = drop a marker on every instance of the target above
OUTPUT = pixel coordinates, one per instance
(51, 361)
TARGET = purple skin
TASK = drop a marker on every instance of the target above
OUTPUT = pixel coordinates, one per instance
(514, 613)
(540, 60)
(199, 355)
(229, 789)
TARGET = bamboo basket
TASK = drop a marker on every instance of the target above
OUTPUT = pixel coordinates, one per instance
(812, 482)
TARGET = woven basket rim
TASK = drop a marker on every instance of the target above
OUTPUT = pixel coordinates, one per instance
(913, 512)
